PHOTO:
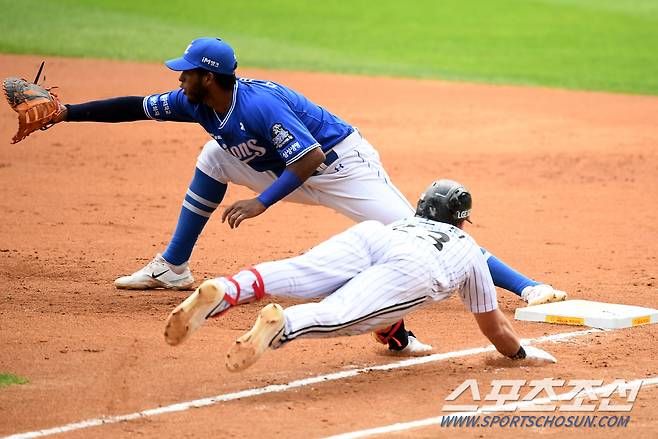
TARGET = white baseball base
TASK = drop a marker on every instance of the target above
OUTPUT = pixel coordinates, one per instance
(587, 313)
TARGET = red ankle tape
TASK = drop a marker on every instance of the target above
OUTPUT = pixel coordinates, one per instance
(386, 334)
(228, 298)
(395, 340)
(258, 285)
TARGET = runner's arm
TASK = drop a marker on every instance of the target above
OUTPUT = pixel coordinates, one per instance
(499, 331)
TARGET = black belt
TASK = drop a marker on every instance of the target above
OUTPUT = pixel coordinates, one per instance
(331, 157)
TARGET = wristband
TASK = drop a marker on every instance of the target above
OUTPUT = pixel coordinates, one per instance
(285, 184)
(520, 355)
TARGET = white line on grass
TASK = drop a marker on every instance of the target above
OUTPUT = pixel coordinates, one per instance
(204, 402)
(568, 396)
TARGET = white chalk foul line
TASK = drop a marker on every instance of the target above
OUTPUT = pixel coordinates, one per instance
(404, 426)
(182, 406)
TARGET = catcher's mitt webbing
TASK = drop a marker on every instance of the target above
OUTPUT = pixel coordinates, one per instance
(36, 78)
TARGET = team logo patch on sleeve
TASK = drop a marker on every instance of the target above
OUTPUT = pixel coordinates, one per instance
(280, 136)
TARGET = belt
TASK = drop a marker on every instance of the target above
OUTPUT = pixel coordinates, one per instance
(342, 147)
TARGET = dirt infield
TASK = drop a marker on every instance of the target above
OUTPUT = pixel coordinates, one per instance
(565, 186)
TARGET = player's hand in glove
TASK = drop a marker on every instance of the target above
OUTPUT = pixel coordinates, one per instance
(539, 294)
(38, 108)
(534, 356)
(241, 210)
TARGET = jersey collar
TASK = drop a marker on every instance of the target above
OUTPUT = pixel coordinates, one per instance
(222, 122)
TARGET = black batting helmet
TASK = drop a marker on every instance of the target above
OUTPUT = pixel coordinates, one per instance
(445, 201)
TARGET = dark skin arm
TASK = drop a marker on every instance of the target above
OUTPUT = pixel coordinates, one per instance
(243, 209)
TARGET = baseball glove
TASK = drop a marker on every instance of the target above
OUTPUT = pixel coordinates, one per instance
(37, 107)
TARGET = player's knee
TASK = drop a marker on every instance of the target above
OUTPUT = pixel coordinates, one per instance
(211, 162)
(212, 143)
(209, 152)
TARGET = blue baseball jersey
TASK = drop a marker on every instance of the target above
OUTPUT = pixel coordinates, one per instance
(268, 126)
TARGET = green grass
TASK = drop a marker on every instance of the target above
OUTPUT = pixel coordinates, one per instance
(7, 379)
(607, 45)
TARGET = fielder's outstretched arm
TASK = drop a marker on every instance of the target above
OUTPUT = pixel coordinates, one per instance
(120, 109)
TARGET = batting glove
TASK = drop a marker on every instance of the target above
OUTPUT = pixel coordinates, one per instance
(538, 294)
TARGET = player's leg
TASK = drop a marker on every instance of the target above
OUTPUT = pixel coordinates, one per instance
(370, 302)
(377, 297)
(170, 270)
(223, 166)
(214, 169)
(357, 185)
(316, 273)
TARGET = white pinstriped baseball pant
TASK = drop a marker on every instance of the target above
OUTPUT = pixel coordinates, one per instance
(368, 277)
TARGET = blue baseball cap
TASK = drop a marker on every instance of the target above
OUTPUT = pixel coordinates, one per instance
(211, 54)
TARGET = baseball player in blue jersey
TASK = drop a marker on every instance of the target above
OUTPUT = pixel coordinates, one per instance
(374, 275)
(278, 143)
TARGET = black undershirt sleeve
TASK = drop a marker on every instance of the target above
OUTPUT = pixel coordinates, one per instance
(123, 109)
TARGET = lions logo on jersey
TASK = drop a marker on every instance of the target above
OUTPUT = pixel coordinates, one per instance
(280, 136)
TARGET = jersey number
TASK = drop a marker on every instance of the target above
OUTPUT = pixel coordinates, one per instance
(437, 239)
(438, 242)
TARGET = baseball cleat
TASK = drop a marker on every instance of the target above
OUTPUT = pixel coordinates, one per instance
(539, 294)
(158, 274)
(193, 312)
(248, 348)
(414, 347)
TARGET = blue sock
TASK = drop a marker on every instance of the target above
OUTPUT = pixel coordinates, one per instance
(505, 276)
(201, 200)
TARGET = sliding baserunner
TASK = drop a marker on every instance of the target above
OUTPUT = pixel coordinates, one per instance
(371, 276)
